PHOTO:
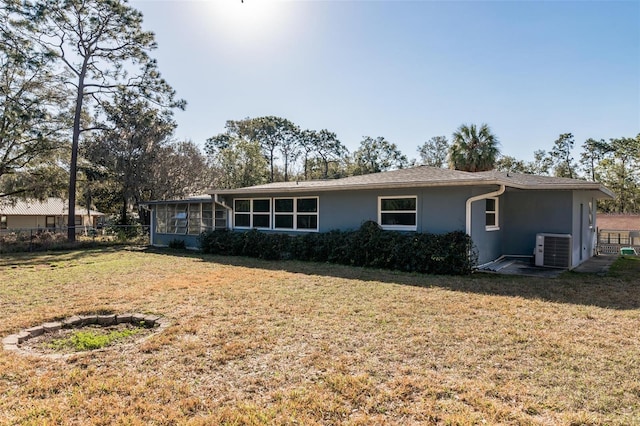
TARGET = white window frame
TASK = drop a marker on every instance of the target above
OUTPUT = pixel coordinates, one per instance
(251, 213)
(496, 213)
(295, 214)
(397, 227)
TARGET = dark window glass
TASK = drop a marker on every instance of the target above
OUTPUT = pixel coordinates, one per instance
(398, 204)
(491, 205)
(283, 221)
(406, 219)
(284, 205)
(242, 220)
(242, 205)
(261, 221)
(261, 206)
(307, 221)
(307, 205)
(491, 219)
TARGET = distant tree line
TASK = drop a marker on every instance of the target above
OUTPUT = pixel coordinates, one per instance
(614, 163)
(260, 150)
(86, 115)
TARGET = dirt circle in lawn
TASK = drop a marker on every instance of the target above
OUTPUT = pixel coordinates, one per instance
(84, 333)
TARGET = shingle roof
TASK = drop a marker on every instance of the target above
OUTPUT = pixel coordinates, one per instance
(190, 199)
(48, 207)
(425, 176)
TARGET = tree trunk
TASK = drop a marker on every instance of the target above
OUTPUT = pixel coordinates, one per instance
(123, 218)
(73, 167)
(286, 167)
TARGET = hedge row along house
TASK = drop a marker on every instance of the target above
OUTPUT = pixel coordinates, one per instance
(551, 220)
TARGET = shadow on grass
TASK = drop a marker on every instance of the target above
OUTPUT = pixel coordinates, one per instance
(7, 260)
(619, 289)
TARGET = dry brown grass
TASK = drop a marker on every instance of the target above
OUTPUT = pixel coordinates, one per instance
(257, 343)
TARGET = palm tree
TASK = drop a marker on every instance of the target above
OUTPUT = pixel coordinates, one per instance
(473, 149)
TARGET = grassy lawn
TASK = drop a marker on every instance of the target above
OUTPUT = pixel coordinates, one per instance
(254, 342)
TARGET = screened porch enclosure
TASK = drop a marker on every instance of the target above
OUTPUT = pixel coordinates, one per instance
(189, 218)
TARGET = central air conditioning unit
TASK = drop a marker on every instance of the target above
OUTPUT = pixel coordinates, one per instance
(553, 250)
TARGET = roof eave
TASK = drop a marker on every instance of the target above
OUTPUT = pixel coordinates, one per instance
(386, 185)
(604, 192)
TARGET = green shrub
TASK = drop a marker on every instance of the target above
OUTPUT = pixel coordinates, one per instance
(369, 246)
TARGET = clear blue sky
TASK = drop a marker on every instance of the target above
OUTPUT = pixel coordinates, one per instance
(405, 70)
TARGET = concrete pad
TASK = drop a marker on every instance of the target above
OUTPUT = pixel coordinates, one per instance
(596, 265)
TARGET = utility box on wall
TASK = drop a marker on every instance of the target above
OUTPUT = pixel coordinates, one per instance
(553, 250)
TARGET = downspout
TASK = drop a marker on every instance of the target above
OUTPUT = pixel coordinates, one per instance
(476, 198)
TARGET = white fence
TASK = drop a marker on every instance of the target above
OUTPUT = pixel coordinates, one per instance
(33, 239)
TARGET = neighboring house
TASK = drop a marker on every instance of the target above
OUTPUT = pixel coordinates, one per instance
(619, 229)
(503, 213)
(48, 214)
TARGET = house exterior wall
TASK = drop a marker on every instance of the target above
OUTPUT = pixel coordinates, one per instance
(163, 240)
(440, 210)
(584, 227)
(521, 215)
(24, 222)
(487, 243)
(527, 213)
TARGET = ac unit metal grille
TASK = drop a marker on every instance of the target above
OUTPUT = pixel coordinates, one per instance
(557, 251)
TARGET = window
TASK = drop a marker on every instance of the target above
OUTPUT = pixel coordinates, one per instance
(295, 213)
(178, 223)
(398, 213)
(207, 216)
(252, 213)
(242, 218)
(50, 222)
(161, 218)
(3, 222)
(183, 218)
(220, 221)
(195, 219)
(261, 213)
(491, 214)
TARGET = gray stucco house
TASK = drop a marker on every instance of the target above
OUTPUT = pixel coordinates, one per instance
(505, 214)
